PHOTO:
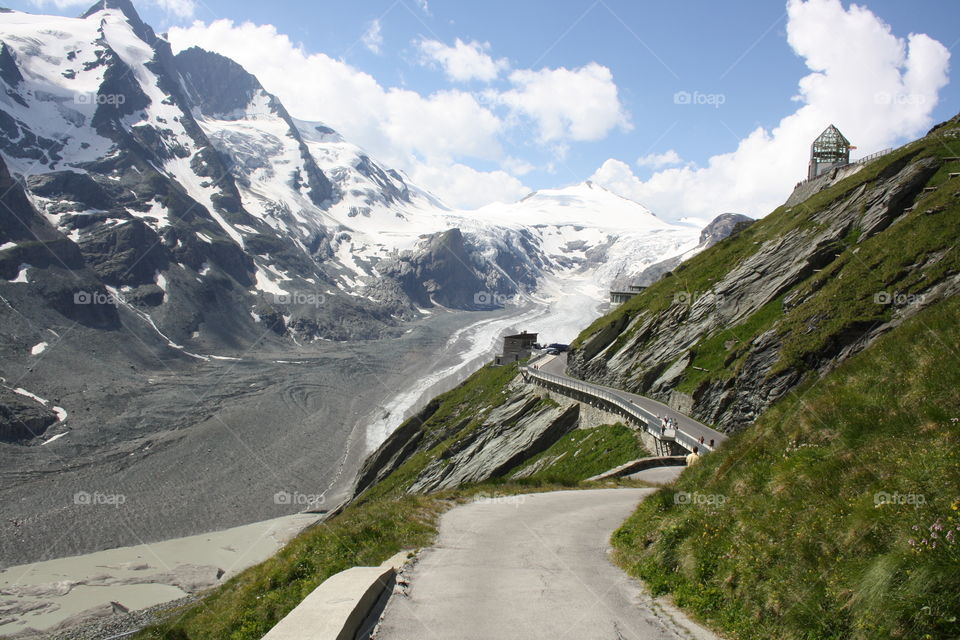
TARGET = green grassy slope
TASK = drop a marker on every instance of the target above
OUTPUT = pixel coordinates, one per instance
(829, 518)
(249, 604)
(459, 411)
(849, 294)
(582, 454)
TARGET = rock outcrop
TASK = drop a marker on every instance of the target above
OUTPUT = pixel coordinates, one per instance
(463, 448)
(511, 434)
(769, 312)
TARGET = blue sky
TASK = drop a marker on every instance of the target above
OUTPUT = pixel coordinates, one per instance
(735, 59)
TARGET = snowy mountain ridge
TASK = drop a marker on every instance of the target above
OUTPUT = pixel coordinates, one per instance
(190, 190)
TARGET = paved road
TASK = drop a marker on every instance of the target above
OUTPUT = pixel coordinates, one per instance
(657, 475)
(530, 567)
(558, 367)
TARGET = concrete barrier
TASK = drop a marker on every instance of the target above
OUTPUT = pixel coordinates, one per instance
(336, 609)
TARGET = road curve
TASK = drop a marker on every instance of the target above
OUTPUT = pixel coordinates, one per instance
(558, 367)
(532, 566)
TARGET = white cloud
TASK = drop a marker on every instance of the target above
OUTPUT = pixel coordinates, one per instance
(877, 88)
(372, 39)
(465, 187)
(517, 166)
(659, 160)
(464, 61)
(181, 8)
(579, 104)
(61, 4)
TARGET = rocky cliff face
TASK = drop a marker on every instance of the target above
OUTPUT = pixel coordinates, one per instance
(457, 439)
(738, 326)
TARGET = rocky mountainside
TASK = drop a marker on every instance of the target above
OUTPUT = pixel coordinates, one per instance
(788, 298)
(495, 427)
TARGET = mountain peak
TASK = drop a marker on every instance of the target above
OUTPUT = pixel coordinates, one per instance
(129, 11)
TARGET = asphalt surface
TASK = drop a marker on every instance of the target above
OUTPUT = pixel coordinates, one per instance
(533, 566)
(558, 367)
(657, 475)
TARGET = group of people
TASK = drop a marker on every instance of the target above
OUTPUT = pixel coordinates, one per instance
(671, 423)
(666, 423)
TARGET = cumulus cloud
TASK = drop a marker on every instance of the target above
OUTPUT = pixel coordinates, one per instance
(517, 166)
(877, 88)
(659, 160)
(567, 104)
(466, 187)
(464, 61)
(372, 38)
(182, 8)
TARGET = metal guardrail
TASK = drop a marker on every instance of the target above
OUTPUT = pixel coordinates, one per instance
(870, 157)
(648, 420)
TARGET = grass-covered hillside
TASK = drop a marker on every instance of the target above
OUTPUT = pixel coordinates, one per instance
(836, 515)
(741, 324)
(582, 454)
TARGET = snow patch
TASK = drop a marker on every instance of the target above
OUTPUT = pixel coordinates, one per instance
(23, 392)
(56, 437)
(22, 275)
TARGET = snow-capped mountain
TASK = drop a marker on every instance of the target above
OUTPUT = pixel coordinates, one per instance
(198, 200)
(181, 195)
(588, 226)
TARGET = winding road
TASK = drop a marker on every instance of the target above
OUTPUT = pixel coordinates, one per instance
(531, 566)
(557, 365)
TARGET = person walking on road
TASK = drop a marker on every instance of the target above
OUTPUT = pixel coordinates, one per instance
(693, 458)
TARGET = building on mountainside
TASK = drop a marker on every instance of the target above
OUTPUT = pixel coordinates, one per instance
(830, 150)
(619, 297)
(516, 347)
